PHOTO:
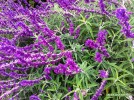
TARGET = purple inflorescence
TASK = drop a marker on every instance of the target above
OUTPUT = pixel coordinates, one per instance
(17, 57)
(98, 57)
(103, 74)
(77, 33)
(34, 97)
(91, 44)
(65, 3)
(123, 17)
(69, 68)
(101, 37)
(103, 7)
(99, 45)
(59, 43)
(71, 28)
(47, 71)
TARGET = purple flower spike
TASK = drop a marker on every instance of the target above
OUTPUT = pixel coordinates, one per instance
(68, 54)
(59, 43)
(71, 29)
(77, 33)
(101, 37)
(47, 71)
(34, 97)
(91, 44)
(70, 68)
(103, 74)
(98, 57)
(103, 7)
(123, 17)
(99, 45)
(121, 14)
(104, 51)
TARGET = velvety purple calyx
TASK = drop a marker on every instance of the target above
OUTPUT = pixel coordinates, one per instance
(99, 44)
(72, 67)
(91, 44)
(123, 17)
(71, 28)
(104, 51)
(98, 57)
(69, 68)
(122, 14)
(59, 44)
(29, 82)
(34, 97)
(103, 74)
(77, 33)
(60, 69)
(68, 54)
(65, 3)
(103, 7)
(101, 37)
(47, 72)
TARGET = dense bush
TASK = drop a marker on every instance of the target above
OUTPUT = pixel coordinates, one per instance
(66, 50)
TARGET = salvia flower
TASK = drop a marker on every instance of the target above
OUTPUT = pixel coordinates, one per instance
(103, 74)
(123, 17)
(104, 51)
(68, 54)
(47, 71)
(34, 97)
(98, 57)
(91, 44)
(59, 43)
(103, 7)
(14, 89)
(77, 33)
(122, 14)
(71, 28)
(69, 68)
(65, 3)
(101, 37)
(99, 44)
(60, 69)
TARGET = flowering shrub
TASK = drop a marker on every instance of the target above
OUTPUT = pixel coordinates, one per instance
(55, 50)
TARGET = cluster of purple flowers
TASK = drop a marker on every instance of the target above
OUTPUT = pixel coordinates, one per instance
(99, 44)
(17, 59)
(73, 32)
(34, 97)
(65, 3)
(123, 16)
(69, 68)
